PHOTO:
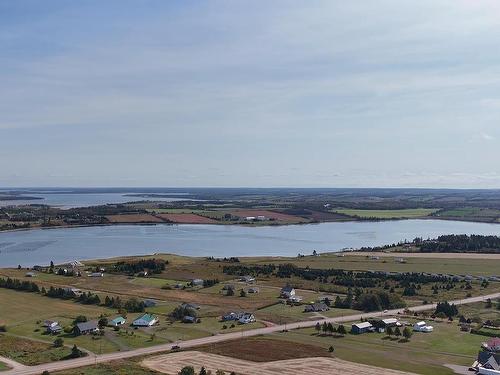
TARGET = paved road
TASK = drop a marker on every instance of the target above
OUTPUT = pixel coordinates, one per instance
(90, 360)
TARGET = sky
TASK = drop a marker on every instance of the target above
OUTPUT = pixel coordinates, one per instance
(335, 93)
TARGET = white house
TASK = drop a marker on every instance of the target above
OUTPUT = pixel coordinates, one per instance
(422, 327)
(247, 318)
(287, 292)
(197, 282)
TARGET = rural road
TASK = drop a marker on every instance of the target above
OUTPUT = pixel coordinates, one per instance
(93, 359)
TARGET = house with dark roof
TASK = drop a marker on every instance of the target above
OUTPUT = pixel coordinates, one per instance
(232, 316)
(487, 361)
(86, 327)
(316, 307)
(362, 327)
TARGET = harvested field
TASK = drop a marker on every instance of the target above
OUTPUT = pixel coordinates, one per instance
(174, 362)
(133, 218)
(268, 214)
(259, 349)
(185, 218)
(328, 216)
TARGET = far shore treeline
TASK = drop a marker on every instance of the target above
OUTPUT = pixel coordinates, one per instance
(451, 243)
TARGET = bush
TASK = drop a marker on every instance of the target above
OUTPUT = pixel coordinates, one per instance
(59, 342)
(188, 370)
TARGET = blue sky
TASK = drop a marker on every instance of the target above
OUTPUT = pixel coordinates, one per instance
(330, 93)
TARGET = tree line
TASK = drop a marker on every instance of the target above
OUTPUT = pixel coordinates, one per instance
(131, 305)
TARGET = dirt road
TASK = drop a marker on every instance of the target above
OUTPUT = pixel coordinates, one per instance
(63, 365)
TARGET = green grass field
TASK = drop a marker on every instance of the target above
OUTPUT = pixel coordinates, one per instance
(423, 354)
(387, 214)
(4, 367)
(454, 265)
(30, 352)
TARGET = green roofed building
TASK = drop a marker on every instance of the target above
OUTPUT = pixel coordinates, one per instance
(118, 321)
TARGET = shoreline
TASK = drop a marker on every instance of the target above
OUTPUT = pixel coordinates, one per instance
(251, 225)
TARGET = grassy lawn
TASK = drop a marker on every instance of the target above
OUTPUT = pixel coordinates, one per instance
(4, 367)
(423, 354)
(177, 331)
(388, 214)
(30, 352)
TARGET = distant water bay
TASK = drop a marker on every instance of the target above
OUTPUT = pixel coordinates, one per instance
(40, 246)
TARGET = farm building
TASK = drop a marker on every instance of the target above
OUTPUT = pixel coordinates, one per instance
(146, 320)
(390, 322)
(422, 327)
(118, 321)
(363, 327)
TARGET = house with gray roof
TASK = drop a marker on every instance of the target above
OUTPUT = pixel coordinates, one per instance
(86, 328)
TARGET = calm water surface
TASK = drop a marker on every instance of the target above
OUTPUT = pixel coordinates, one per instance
(65, 244)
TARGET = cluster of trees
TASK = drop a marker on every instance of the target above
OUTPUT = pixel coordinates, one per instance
(226, 260)
(151, 265)
(61, 293)
(378, 301)
(362, 279)
(134, 305)
(255, 270)
(375, 301)
(27, 286)
(454, 243)
(131, 305)
(445, 309)
(189, 370)
(89, 299)
(407, 332)
(330, 329)
(209, 283)
(182, 311)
